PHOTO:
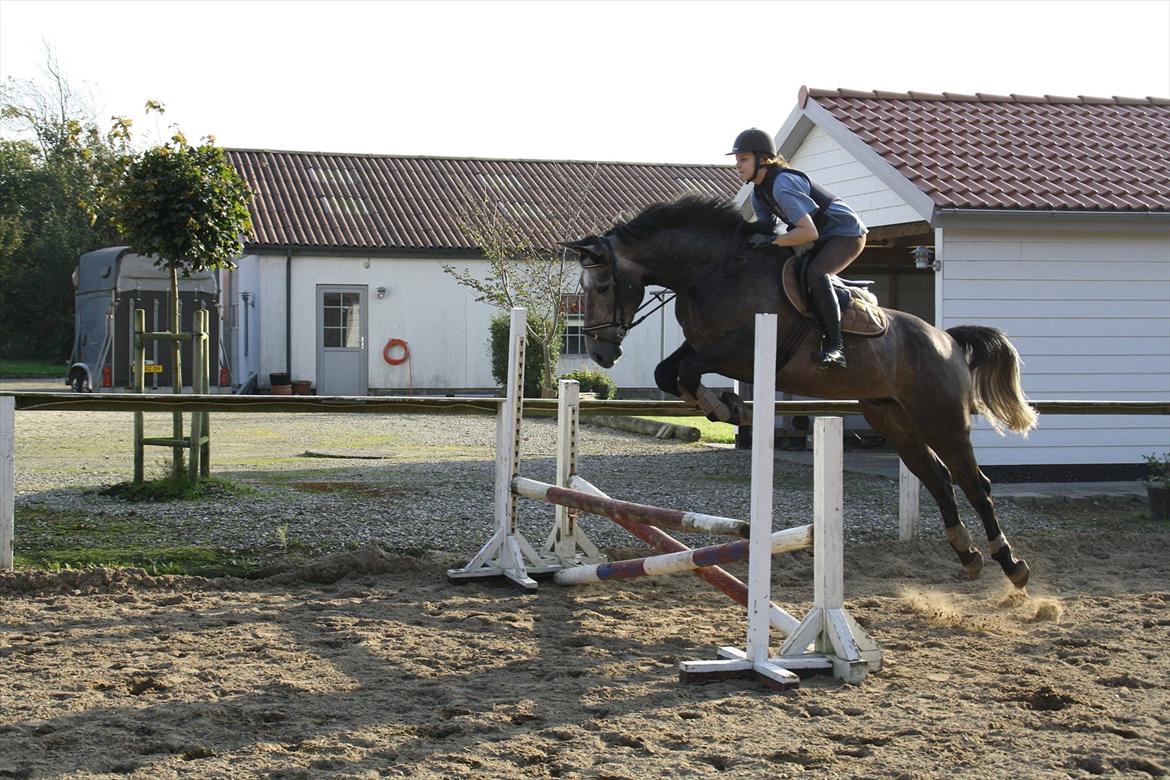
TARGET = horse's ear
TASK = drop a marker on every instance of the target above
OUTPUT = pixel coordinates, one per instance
(590, 245)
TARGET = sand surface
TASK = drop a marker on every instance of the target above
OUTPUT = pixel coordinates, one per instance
(369, 665)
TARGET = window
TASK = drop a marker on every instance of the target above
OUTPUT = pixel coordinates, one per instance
(573, 342)
(497, 181)
(701, 186)
(338, 177)
(343, 204)
(343, 320)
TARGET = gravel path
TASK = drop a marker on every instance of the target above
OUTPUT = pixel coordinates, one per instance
(425, 482)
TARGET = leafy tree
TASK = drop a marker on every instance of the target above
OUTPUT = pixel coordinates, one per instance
(186, 206)
(57, 168)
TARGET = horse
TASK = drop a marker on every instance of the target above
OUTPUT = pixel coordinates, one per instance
(917, 385)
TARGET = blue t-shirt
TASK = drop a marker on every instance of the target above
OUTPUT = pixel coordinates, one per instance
(792, 193)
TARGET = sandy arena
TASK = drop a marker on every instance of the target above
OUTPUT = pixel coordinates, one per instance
(374, 666)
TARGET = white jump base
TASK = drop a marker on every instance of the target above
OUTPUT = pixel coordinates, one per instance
(827, 640)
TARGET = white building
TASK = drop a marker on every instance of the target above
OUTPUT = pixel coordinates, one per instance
(1047, 217)
(348, 252)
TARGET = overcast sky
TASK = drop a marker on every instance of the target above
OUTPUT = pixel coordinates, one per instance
(630, 81)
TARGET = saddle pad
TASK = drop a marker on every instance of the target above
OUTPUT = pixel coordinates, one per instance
(863, 316)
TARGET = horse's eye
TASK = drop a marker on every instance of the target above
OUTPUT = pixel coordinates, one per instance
(602, 289)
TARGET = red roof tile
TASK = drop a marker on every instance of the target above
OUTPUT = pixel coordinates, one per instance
(1016, 151)
(391, 203)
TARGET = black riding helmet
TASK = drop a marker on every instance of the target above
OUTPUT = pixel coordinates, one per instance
(753, 140)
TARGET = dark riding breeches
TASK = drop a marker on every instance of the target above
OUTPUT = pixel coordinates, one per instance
(835, 255)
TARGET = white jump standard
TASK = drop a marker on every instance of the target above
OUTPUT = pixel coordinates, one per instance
(827, 640)
(838, 644)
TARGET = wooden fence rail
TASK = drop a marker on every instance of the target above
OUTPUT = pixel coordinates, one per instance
(535, 407)
(532, 407)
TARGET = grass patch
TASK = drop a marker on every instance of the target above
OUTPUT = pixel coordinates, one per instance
(713, 432)
(13, 368)
(176, 489)
(160, 560)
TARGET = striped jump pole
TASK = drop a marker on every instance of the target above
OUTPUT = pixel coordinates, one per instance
(787, 540)
(717, 577)
(658, 517)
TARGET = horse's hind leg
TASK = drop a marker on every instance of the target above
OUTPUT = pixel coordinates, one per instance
(889, 419)
(957, 453)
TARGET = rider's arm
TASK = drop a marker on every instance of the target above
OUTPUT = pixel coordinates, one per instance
(804, 232)
(792, 195)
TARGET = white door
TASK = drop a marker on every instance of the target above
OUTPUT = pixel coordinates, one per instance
(342, 359)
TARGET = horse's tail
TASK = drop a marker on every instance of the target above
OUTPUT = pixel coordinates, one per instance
(995, 370)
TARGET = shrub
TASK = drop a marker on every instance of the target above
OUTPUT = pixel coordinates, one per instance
(1158, 469)
(594, 382)
(533, 357)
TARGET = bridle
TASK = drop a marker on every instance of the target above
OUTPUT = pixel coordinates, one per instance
(619, 283)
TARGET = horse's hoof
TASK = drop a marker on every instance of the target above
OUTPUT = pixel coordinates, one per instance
(740, 414)
(1019, 574)
(972, 563)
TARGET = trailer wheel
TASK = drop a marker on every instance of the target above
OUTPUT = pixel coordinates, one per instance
(80, 382)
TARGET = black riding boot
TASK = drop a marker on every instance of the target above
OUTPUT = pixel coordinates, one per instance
(829, 313)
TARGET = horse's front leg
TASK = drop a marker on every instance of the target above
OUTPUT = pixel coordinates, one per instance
(723, 407)
(666, 372)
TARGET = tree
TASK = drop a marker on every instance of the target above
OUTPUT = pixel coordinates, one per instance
(188, 207)
(520, 271)
(57, 168)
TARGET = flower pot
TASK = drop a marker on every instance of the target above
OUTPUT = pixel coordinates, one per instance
(1159, 496)
(302, 387)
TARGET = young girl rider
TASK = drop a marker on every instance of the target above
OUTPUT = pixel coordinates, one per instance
(812, 214)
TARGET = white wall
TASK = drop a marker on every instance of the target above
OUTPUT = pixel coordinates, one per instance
(446, 329)
(246, 358)
(838, 171)
(1089, 311)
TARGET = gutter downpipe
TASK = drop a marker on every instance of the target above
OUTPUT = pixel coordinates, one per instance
(288, 311)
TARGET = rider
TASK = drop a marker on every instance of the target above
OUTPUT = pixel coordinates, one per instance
(812, 214)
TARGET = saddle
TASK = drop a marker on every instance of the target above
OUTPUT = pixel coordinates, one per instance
(860, 313)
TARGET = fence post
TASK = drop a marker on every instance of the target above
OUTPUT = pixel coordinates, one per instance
(908, 510)
(139, 387)
(205, 375)
(197, 345)
(7, 479)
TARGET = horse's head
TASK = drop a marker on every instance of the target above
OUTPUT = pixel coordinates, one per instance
(614, 288)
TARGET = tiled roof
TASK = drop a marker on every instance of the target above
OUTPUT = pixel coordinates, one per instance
(393, 203)
(1015, 151)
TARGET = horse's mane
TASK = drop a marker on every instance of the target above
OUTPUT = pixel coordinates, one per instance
(690, 211)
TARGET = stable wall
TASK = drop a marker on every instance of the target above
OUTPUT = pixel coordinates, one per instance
(446, 329)
(1087, 304)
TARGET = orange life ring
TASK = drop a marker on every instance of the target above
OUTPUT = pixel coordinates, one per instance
(391, 344)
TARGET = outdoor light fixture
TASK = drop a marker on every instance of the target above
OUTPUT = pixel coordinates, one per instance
(381, 293)
(924, 258)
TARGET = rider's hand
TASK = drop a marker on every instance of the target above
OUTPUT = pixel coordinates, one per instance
(760, 239)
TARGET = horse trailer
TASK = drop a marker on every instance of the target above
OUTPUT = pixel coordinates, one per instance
(109, 284)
